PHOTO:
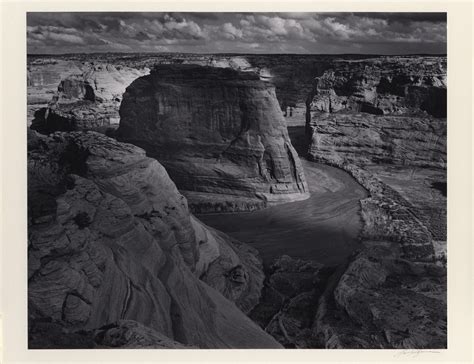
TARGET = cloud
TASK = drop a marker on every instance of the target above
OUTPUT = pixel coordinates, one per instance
(54, 34)
(231, 32)
(237, 32)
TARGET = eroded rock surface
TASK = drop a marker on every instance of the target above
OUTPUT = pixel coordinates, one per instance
(388, 110)
(123, 334)
(290, 299)
(392, 294)
(88, 98)
(384, 85)
(219, 133)
(366, 139)
(384, 301)
(110, 238)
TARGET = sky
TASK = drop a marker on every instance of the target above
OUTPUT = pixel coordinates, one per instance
(198, 32)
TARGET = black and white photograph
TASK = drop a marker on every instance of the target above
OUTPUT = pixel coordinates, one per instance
(236, 180)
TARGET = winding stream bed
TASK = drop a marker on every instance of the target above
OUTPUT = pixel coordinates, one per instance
(323, 228)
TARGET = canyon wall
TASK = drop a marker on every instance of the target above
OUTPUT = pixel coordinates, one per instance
(384, 122)
(110, 239)
(219, 133)
(87, 98)
(384, 110)
(383, 85)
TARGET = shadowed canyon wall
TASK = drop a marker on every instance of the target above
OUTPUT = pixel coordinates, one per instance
(219, 133)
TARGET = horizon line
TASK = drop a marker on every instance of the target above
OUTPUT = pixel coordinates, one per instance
(240, 53)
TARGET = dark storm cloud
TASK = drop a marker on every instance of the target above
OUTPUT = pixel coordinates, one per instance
(407, 17)
(237, 32)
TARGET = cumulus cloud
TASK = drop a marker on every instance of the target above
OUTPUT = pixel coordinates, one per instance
(237, 32)
(231, 32)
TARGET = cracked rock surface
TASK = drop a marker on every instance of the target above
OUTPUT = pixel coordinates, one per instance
(111, 238)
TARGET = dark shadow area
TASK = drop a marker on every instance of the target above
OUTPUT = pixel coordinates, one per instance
(441, 187)
(299, 140)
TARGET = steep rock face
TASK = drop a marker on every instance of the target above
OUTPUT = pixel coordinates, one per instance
(219, 133)
(43, 78)
(387, 85)
(385, 117)
(110, 238)
(385, 110)
(88, 100)
(367, 139)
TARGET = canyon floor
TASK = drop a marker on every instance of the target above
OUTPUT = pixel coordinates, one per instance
(323, 228)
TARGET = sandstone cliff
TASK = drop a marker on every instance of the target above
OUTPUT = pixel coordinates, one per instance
(388, 110)
(87, 98)
(367, 139)
(385, 85)
(110, 238)
(219, 133)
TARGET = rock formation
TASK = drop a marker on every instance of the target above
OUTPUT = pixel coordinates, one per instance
(110, 238)
(43, 78)
(385, 85)
(123, 334)
(219, 133)
(88, 100)
(388, 110)
(390, 294)
(367, 139)
(290, 300)
(383, 301)
(116, 260)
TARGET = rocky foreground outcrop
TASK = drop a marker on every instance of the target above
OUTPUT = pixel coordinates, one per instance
(111, 239)
(220, 134)
(86, 99)
(390, 294)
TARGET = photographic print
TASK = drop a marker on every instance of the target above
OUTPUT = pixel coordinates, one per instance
(237, 180)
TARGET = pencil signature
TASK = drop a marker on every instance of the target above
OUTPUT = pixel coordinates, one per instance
(414, 353)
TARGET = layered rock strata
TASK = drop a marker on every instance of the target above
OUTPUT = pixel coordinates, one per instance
(366, 139)
(87, 99)
(110, 238)
(219, 133)
(385, 85)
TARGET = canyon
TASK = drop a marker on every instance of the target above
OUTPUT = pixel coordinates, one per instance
(237, 201)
